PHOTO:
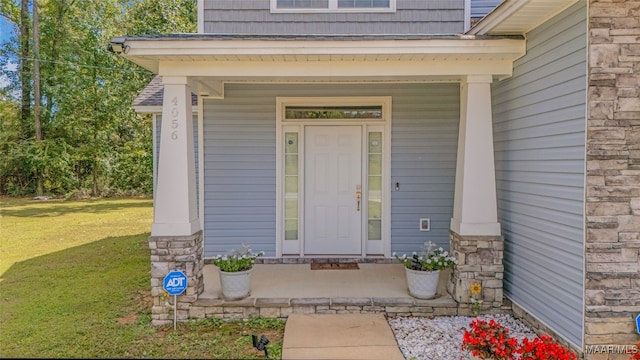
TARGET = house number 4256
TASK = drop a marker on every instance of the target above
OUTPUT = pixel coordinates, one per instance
(174, 118)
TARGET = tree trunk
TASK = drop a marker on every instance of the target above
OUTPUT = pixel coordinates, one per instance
(36, 92)
(25, 69)
(36, 73)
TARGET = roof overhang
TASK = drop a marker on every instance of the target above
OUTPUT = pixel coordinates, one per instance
(519, 17)
(323, 58)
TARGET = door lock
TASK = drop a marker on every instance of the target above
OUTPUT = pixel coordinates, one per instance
(358, 197)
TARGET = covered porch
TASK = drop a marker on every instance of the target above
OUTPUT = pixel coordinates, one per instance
(234, 74)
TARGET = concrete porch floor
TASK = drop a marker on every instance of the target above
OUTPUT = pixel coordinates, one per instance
(299, 281)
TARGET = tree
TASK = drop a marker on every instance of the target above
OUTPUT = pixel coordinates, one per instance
(90, 138)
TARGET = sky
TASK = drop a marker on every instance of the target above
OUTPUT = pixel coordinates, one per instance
(5, 29)
(5, 33)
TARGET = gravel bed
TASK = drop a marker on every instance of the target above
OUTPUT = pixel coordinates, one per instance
(440, 338)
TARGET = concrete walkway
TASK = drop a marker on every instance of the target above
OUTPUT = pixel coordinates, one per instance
(339, 336)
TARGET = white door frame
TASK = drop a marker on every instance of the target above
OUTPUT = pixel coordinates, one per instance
(296, 247)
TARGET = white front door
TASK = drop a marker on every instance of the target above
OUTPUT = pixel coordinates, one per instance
(333, 180)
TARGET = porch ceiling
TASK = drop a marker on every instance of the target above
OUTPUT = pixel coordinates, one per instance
(323, 58)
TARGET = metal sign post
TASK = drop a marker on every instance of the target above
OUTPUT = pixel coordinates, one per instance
(175, 283)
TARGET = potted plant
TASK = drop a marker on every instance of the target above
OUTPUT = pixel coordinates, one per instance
(235, 272)
(489, 340)
(423, 270)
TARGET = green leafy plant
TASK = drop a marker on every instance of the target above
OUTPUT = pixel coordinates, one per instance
(237, 259)
(476, 298)
(429, 259)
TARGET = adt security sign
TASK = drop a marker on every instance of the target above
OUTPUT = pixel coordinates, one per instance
(175, 283)
(638, 324)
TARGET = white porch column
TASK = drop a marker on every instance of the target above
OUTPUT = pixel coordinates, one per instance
(175, 212)
(475, 205)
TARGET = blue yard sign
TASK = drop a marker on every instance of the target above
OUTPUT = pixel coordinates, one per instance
(175, 283)
(638, 324)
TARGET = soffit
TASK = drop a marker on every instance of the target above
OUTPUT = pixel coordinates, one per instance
(519, 16)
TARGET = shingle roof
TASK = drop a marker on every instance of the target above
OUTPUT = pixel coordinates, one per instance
(153, 93)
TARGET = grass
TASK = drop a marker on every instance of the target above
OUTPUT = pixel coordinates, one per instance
(75, 283)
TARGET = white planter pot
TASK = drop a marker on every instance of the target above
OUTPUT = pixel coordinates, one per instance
(422, 284)
(235, 285)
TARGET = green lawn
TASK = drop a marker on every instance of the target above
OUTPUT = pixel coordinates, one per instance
(74, 282)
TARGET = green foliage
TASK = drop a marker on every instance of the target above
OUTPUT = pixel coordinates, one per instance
(259, 322)
(153, 17)
(94, 141)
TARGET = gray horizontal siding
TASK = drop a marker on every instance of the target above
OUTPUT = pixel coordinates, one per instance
(539, 134)
(239, 175)
(239, 158)
(423, 162)
(195, 148)
(411, 17)
(480, 8)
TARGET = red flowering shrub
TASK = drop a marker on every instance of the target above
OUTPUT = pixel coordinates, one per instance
(489, 340)
(636, 355)
(544, 348)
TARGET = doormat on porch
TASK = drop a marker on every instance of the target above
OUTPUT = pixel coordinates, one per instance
(335, 266)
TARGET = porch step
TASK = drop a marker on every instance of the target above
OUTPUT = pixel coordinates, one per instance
(285, 307)
(279, 290)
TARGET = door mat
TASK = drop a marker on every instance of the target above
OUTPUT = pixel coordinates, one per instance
(335, 266)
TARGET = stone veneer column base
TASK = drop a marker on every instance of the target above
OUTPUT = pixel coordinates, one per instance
(479, 261)
(168, 253)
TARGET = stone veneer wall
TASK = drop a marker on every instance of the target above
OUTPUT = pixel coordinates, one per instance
(479, 261)
(612, 292)
(168, 253)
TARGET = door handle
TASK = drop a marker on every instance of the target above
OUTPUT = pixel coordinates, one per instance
(358, 197)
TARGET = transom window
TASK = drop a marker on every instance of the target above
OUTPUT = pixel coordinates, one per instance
(333, 5)
(333, 112)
